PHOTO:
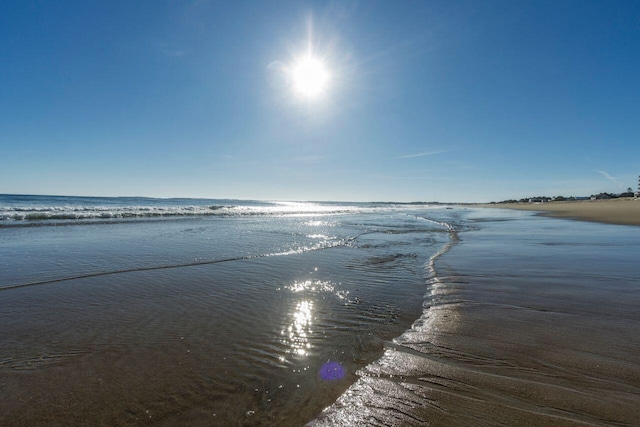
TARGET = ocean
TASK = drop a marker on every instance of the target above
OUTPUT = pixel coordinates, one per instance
(134, 311)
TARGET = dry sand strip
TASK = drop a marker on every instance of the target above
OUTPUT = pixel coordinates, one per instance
(624, 211)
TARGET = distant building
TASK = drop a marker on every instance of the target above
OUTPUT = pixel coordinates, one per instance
(539, 199)
(601, 196)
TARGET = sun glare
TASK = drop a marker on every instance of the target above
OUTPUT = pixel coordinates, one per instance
(310, 77)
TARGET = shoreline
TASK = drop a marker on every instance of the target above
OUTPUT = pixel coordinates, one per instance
(624, 211)
(519, 330)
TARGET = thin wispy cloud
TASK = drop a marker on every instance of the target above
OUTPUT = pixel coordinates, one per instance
(610, 178)
(428, 153)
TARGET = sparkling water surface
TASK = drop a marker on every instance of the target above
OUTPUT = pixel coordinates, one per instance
(270, 313)
(258, 317)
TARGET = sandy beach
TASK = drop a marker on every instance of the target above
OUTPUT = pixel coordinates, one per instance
(624, 211)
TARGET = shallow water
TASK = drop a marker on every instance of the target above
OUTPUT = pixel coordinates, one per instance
(533, 321)
(235, 320)
(267, 319)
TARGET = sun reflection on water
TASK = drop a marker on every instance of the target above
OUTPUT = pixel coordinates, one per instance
(317, 286)
(311, 285)
(296, 334)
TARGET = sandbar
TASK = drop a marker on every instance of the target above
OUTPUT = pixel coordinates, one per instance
(623, 211)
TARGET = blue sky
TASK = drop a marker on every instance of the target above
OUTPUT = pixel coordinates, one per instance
(427, 100)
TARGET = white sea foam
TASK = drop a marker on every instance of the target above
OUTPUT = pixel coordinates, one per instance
(16, 209)
(44, 213)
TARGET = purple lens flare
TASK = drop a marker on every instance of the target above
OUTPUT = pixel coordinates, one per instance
(332, 371)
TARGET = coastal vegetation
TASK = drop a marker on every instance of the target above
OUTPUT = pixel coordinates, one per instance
(546, 199)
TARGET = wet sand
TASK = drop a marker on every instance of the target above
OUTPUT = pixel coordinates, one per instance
(233, 321)
(624, 211)
(532, 322)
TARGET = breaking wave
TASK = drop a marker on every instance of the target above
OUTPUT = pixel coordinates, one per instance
(45, 215)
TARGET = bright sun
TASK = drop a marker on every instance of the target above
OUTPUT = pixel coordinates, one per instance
(310, 77)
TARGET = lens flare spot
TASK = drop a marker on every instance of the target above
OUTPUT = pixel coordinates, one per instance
(332, 371)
